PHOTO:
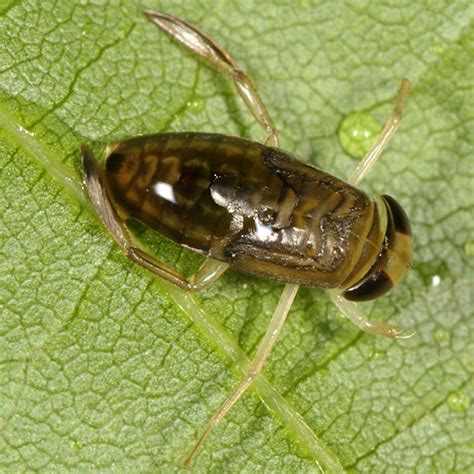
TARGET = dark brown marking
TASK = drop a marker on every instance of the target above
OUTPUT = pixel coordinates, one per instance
(400, 218)
(114, 163)
(88, 161)
(370, 288)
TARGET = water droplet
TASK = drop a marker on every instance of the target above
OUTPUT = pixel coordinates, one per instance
(323, 373)
(458, 401)
(377, 355)
(76, 444)
(438, 48)
(469, 248)
(440, 334)
(25, 131)
(432, 272)
(196, 105)
(357, 133)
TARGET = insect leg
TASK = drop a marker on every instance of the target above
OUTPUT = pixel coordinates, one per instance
(255, 367)
(209, 272)
(387, 133)
(216, 56)
(353, 312)
(349, 308)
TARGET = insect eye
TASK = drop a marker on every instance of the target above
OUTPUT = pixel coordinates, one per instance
(398, 216)
(371, 287)
(392, 262)
(114, 163)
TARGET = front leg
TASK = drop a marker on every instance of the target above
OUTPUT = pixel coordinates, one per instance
(388, 132)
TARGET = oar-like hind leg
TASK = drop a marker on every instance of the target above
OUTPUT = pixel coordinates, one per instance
(276, 324)
(208, 50)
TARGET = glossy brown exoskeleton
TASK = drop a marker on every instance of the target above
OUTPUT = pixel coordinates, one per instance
(254, 207)
(260, 210)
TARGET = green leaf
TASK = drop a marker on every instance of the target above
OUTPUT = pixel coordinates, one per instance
(105, 368)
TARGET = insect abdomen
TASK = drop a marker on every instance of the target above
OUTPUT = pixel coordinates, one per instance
(253, 206)
(173, 183)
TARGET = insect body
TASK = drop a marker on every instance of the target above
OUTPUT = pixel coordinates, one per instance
(260, 210)
(255, 207)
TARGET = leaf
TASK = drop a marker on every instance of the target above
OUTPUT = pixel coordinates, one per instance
(104, 367)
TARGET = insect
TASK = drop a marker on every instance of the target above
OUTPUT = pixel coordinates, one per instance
(254, 207)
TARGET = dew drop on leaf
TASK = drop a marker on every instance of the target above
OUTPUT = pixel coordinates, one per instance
(357, 133)
(377, 355)
(435, 281)
(440, 334)
(432, 272)
(469, 248)
(196, 105)
(458, 401)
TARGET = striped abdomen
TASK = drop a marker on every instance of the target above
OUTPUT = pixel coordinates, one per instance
(253, 206)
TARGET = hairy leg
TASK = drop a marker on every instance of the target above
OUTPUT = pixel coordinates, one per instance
(273, 331)
(207, 49)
